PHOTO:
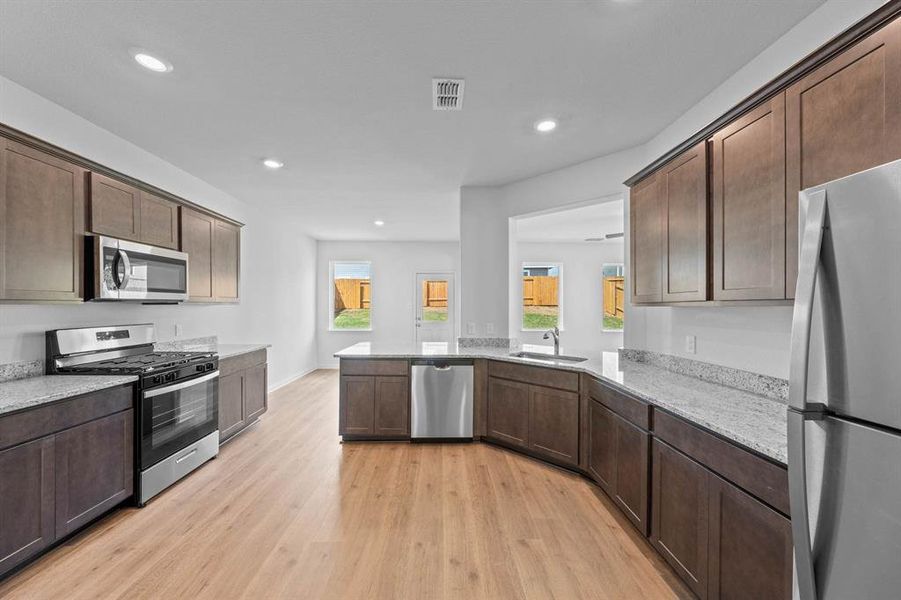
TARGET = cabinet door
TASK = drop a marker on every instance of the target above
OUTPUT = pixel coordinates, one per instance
(602, 446)
(255, 392)
(646, 237)
(26, 502)
(358, 406)
(94, 469)
(842, 118)
(679, 517)
(683, 185)
(115, 208)
(41, 225)
(508, 411)
(159, 221)
(231, 404)
(750, 546)
(554, 424)
(632, 469)
(226, 258)
(197, 241)
(749, 205)
(392, 406)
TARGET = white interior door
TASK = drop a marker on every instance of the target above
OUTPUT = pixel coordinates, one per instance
(434, 314)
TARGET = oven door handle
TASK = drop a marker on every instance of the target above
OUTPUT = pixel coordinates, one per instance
(180, 386)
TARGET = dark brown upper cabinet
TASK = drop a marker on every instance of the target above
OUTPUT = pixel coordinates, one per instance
(683, 186)
(114, 208)
(646, 236)
(159, 221)
(41, 225)
(842, 118)
(214, 251)
(749, 205)
(226, 261)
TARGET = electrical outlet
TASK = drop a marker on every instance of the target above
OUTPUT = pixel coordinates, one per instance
(471, 328)
(691, 344)
(178, 330)
(489, 328)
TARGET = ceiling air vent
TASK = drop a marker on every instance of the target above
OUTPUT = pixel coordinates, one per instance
(447, 94)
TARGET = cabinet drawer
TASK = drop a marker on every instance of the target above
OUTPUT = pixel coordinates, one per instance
(544, 376)
(633, 410)
(241, 362)
(758, 476)
(373, 367)
(56, 416)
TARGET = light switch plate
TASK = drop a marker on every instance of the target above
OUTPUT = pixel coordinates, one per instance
(691, 344)
(178, 330)
(471, 328)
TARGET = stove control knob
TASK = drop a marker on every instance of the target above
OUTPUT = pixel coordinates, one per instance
(209, 366)
(170, 376)
(199, 368)
(157, 379)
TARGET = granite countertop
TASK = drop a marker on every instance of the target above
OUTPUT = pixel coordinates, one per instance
(29, 392)
(753, 421)
(227, 350)
(209, 344)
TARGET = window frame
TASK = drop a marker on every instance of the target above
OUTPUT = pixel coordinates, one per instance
(620, 267)
(522, 312)
(331, 299)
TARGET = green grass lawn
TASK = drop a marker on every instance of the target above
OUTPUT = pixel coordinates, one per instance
(434, 313)
(613, 322)
(353, 318)
(539, 317)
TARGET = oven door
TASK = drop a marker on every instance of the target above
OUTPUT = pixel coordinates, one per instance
(132, 271)
(175, 416)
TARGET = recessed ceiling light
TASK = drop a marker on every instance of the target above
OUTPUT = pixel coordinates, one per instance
(378, 223)
(157, 65)
(545, 126)
(271, 163)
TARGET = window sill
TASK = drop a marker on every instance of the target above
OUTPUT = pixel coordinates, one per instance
(336, 329)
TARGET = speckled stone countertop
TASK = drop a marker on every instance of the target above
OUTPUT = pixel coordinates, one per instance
(753, 421)
(33, 391)
(209, 344)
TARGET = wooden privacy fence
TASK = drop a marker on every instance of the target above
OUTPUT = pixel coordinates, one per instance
(614, 296)
(352, 293)
(539, 290)
(434, 294)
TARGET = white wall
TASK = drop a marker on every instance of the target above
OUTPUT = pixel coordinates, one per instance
(277, 306)
(756, 339)
(393, 272)
(580, 292)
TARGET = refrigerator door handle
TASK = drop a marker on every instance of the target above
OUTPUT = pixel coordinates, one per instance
(797, 491)
(808, 265)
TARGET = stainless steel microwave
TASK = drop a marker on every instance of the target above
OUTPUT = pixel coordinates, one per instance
(123, 270)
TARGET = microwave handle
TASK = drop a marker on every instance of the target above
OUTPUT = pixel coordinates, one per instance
(122, 257)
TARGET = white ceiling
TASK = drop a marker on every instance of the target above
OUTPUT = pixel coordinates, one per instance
(573, 225)
(340, 91)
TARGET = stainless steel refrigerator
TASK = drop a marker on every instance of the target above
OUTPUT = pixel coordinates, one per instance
(844, 420)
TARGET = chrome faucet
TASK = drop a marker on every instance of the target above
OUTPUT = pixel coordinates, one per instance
(556, 333)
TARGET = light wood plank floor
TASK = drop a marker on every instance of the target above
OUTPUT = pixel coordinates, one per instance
(286, 511)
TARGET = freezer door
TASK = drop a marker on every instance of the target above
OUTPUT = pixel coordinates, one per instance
(853, 281)
(850, 494)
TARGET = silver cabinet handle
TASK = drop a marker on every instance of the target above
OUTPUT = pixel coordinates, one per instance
(797, 493)
(808, 265)
(126, 273)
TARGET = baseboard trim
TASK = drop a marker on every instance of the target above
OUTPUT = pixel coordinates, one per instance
(290, 380)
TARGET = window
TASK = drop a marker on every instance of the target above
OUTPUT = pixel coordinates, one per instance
(540, 296)
(351, 296)
(614, 296)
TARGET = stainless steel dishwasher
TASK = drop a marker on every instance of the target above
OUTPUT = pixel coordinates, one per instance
(442, 399)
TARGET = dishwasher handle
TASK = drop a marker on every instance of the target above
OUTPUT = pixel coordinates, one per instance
(441, 364)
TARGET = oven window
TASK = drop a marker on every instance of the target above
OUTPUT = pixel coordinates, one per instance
(157, 273)
(173, 420)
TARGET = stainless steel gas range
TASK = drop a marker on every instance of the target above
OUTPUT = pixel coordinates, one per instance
(176, 407)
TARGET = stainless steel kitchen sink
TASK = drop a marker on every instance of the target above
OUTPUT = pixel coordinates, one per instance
(542, 356)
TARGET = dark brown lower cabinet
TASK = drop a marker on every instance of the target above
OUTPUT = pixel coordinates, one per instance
(27, 501)
(720, 540)
(94, 469)
(508, 411)
(375, 406)
(554, 424)
(243, 393)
